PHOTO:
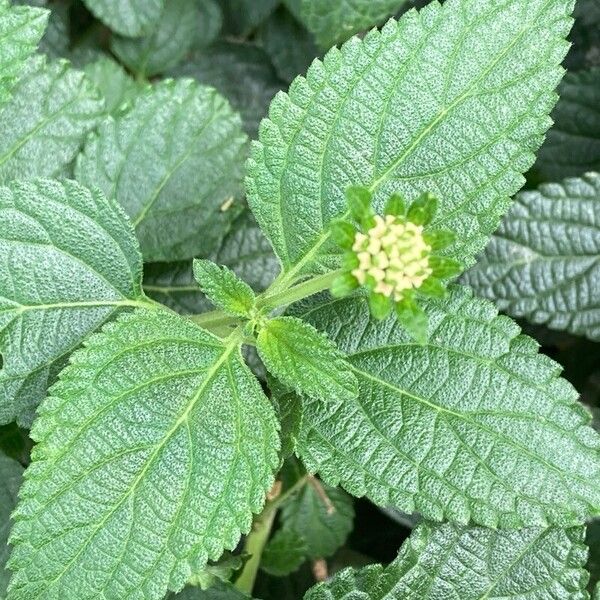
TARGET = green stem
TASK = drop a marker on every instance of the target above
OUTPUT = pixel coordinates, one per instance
(257, 539)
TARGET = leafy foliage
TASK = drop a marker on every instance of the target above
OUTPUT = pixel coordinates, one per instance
(242, 16)
(44, 125)
(284, 553)
(168, 43)
(194, 145)
(471, 563)
(21, 28)
(197, 421)
(544, 261)
(573, 144)
(334, 21)
(49, 239)
(496, 72)
(11, 473)
(128, 17)
(304, 359)
(472, 426)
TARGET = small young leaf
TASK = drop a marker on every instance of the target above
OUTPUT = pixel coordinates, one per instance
(222, 590)
(154, 417)
(413, 318)
(166, 45)
(359, 202)
(284, 554)
(305, 360)
(473, 426)
(77, 262)
(439, 562)
(11, 474)
(423, 209)
(133, 18)
(544, 262)
(352, 121)
(224, 288)
(322, 516)
(21, 28)
(245, 250)
(44, 125)
(395, 206)
(171, 161)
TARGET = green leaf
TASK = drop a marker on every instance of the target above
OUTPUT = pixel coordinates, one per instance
(50, 236)
(171, 161)
(166, 45)
(321, 515)
(44, 125)
(211, 21)
(439, 562)
(473, 426)
(334, 21)
(159, 444)
(133, 18)
(572, 146)
(242, 16)
(222, 570)
(115, 85)
(11, 473)
(21, 28)
(289, 409)
(220, 591)
(364, 117)
(306, 360)
(245, 250)
(289, 45)
(241, 72)
(413, 318)
(284, 554)
(544, 261)
(224, 288)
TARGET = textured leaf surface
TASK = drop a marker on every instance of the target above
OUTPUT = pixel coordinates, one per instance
(43, 126)
(166, 45)
(544, 261)
(443, 562)
(224, 288)
(284, 554)
(11, 474)
(245, 250)
(115, 85)
(171, 161)
(323, 522)
(55, 285)
(243, 73)
(154, 449)
(452, 100)
(21, 28)
(289, 45)
(304, 359)
(133, 18)
(573, 143)
(334, 21)
(474, 425)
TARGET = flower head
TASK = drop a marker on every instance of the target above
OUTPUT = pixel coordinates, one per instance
(393, 257)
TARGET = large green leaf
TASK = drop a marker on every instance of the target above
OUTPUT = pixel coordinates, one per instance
(171, 161)
(573, 143)
(133, 18)
(68, 260)
(44, 125)
(474, 425)
(443, 562)
(242, 16)
(243, 73)
(334, 21)
(21, 28)
(153, 450)
(166, 45)
(11, 473)
(245, 250)
(544, 261)
(390, 112)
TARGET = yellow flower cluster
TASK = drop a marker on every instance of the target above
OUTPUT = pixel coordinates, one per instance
(393, 256)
